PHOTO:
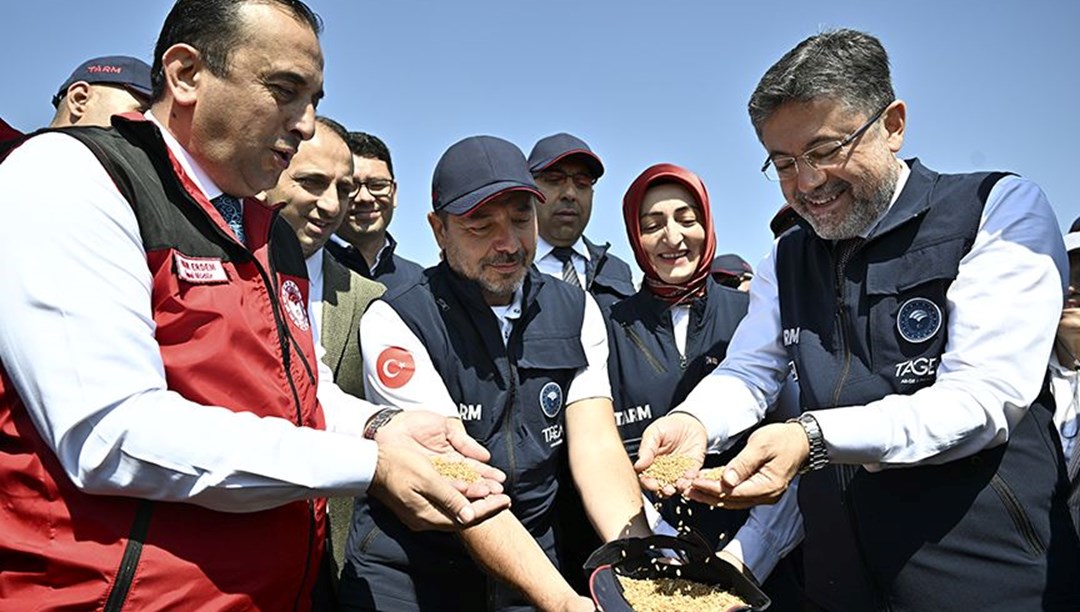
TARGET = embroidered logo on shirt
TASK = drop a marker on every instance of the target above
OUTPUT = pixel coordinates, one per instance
(918, 320)
(199, 270)
(917, 370)
(551, 399)
(395, 367)
(293, 301)
(471, 412)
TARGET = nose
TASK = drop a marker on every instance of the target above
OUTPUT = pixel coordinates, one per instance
(809, 178)
(672, 236)
(363, 194)
(304, 123)
(567, 190)
(328, 203)
(504, 239)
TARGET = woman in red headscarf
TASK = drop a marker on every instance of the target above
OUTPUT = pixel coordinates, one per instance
(672, 333)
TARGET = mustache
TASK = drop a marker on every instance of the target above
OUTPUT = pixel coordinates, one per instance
(822, 193)
(506, 258)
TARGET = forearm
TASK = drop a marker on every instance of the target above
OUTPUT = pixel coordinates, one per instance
(505, 550)
(607, 483)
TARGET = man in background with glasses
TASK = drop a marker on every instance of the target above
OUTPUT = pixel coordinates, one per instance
(918, 310)
(566, 169)
(363, 242)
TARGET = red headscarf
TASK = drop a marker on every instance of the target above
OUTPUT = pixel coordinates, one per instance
(669, 173)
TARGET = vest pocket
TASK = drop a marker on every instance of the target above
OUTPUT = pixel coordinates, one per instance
(1019, 516)
(940, 261)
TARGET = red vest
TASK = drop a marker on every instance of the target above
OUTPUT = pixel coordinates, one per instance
(243, 344)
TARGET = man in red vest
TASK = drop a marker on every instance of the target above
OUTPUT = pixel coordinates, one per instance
(162, 440)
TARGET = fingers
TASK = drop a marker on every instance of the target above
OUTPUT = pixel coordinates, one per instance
(464, 443)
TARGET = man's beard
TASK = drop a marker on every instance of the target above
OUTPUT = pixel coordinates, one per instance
(491, 283)
(868, 201)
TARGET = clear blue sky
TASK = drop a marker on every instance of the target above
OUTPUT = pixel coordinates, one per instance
(989, 85)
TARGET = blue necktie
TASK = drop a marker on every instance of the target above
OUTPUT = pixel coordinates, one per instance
(229, 207)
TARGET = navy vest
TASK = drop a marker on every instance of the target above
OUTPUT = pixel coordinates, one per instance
(607, 277)
(648, 375)
(510, 398)
(866, 319)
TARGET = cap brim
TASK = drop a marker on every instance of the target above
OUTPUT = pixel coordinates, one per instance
(596, 167)
(1072, 241)
(475, 199)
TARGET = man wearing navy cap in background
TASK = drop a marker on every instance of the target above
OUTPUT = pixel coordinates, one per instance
(566, 169)
(100, 88)
(732, 271)
(521, 359)
(1065, 372)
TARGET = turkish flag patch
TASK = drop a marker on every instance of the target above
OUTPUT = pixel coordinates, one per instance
(395, 366)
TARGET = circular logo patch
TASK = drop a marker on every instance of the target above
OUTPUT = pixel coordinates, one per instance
(918, 320)
(294, 304)
(395, 367)
(551, 399)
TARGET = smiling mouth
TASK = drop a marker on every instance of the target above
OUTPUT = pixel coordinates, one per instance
(823, 200)
(671, 257)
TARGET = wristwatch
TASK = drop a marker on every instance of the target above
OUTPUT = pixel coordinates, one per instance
(379, 419)
(819, 455)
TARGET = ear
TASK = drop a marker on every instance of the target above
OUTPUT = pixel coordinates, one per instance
(393, 197)
(438, 228)
(183, 67)
(76, 99)
(895, 122)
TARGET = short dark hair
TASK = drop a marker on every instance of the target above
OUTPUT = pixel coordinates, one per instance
(215, 29)
(846, 65)
(334, 127)
(365, 145)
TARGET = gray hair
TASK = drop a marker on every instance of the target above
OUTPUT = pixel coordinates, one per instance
(845, 65)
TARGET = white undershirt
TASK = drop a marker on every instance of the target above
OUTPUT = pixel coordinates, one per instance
(680, 324)
(1065, 384)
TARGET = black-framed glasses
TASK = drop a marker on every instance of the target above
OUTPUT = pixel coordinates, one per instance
(581, 180)
(377, 187)
(824, 155)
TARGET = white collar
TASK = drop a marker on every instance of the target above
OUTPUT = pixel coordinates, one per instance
(191, 167)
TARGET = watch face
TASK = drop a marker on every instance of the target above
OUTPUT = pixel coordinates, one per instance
(919, 320)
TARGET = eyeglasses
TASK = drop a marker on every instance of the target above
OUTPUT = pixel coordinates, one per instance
(558, 177)
(376, 187)
(824, 155)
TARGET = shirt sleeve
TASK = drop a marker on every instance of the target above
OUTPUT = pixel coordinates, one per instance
(1003, 311)
(769, 534)
(344, 413)
(734, 396)
(397, 368)
(77, 342)
(592, 380)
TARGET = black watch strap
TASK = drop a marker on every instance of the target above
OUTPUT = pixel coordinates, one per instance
(379, 419)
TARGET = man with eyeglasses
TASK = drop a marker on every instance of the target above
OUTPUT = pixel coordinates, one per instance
(566, 169)
(363, 242)
(918, 310)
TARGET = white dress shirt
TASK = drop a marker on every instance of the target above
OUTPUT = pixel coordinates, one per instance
(1003, 310)
(77, 340)
(1065, 384)
(547, 263)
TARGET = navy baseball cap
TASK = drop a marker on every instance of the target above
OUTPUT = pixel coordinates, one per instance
(476, 169)
(730, 264)
(1072, 239)
(128, 72)
(553, 149)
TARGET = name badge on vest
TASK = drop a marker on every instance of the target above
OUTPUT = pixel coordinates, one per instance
(199, 270)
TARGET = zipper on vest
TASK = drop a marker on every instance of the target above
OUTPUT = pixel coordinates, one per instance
(508, 428)
(125, 574)
(640, 344)
(1018, 515)
(283, 341)
(847, 249)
